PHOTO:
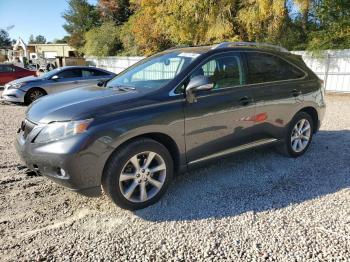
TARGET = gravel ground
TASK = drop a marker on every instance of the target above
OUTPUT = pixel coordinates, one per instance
(253, 206)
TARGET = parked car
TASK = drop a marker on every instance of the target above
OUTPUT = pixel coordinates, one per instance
(28, 89)
(9, 72)
(169, 113)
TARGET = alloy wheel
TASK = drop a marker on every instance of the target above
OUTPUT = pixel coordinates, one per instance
(301, 135)
(34, 95)
(142, 176)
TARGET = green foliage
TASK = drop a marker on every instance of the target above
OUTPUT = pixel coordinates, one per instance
(39, 39)
(103, 40)
(80, 18)
(64, 40)
(333, 25)
(5, 40)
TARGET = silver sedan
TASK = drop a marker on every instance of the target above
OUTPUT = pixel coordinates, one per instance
(28, 89)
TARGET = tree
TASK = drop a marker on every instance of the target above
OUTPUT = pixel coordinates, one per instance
(4, 38)
(332, 25)
(39, 39)
(64, 40)
(103, 40)
(115, 10)
(80, 18)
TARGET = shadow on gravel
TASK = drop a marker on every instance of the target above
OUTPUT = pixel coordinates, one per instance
(258, 180)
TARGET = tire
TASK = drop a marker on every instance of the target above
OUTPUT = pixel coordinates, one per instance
(291, 146)
(118, 186)
(33, 94)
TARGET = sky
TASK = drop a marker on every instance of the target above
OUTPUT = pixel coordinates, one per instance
(37, 17)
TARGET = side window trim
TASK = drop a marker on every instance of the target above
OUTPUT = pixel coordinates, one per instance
(270, 82)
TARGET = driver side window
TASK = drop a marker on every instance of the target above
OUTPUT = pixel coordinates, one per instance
(70, 73)
(224, 71)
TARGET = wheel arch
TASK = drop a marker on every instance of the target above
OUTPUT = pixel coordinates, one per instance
(33, 88)
(314, 115)
(161, 138)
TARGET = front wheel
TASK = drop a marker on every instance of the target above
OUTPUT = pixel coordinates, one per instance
(138, 174)
(33, 94)
(299, 135)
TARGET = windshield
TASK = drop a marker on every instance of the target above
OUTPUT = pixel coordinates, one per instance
(154, 72)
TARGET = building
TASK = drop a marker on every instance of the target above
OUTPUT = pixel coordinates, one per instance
(35, 51)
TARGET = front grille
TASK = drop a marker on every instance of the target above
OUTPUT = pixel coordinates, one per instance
(27, 127)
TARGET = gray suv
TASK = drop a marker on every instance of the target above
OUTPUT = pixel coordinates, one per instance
(28, 89)
(169, 113)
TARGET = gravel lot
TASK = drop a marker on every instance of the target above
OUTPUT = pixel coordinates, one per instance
(253, 206)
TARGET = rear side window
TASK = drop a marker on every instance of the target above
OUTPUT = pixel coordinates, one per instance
(268, 68)
(70, 73)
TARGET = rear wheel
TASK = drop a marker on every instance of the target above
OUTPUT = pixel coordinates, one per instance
(299, 135)
(33, 94)
(138, 174)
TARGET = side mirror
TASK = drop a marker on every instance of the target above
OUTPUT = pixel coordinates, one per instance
(55, 77)
(197, 83)
(101, 83)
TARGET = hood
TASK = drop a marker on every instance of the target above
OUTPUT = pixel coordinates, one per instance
(79, 103)
(26, 79)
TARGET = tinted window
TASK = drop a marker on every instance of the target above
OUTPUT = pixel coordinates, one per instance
(223, 71)
(70, 73)
(6, 68)
(93, 72)
(267, 68)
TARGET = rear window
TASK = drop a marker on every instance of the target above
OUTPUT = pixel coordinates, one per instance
(264, 67)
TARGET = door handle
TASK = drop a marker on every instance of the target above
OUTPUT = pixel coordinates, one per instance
(295, 92)
(245, 101)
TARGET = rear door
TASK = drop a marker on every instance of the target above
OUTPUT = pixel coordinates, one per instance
(277, 88)
(219, 120)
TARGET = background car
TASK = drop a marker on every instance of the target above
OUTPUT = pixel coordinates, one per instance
(9, 72)
(28, 89)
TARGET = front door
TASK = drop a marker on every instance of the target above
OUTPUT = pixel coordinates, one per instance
(221, 117)
(67, 79)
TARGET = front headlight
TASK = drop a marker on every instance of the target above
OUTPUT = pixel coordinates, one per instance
(60, 130)
(17, 85)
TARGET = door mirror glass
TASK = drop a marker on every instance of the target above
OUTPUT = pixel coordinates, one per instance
(55, 77)
(197, 83)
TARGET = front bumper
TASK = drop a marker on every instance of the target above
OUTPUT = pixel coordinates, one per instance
(13, 95)
(82, 167)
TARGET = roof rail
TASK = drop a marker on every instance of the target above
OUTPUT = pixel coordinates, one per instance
(253, 44)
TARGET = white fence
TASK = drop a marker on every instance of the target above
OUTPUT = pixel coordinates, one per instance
(333, 66)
